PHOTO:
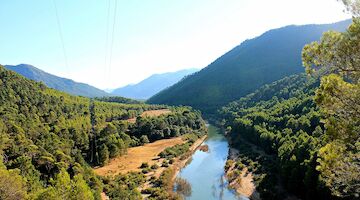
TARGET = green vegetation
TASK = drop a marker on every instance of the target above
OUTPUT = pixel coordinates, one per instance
(175, 151)
(262, 60)
(308, 128)
(117, 99)
(162, 187)
(283, 120)
(337, 58)
(49, 139)
(179, 149)
(124, 186)
(181, 121)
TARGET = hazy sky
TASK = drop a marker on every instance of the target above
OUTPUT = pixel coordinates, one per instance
(151, 36)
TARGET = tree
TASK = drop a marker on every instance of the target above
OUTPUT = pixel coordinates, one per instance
(62, 184)
(352, 6)
(337, 58)
(12, 186)
(144, 139)
(80, 189)
(103, 155)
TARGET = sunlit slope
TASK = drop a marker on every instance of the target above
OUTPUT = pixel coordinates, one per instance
(255, 62)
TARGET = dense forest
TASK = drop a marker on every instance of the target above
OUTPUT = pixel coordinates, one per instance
(49, 140)
(255, 62)
(308, 125)
(283, 119)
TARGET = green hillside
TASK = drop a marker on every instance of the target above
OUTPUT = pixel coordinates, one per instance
(282, 120)
(49, 139)
(255, 62)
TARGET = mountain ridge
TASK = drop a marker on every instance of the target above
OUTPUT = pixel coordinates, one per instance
(59, 83)
(152, 84)
(255, 62)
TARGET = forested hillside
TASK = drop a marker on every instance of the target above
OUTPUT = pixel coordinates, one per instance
(255, 62)
(283, 119)
(49, 139)
(58, 83)
(309, 128)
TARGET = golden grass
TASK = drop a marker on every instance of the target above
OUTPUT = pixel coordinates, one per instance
(151, 113)
(155, 113)
(136, 156)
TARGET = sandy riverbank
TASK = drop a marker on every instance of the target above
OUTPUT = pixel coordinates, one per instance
(242, 182)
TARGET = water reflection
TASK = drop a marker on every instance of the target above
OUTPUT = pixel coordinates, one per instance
(205, 173)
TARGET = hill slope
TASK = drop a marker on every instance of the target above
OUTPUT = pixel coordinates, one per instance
(152, 85)
(283, 120)
(55, 82)
(49, 139)
(255, 62)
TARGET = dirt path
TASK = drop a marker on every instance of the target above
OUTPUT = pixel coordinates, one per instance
(136, 156)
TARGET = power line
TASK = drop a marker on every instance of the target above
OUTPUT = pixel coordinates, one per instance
(61, 35)
(113, 35)
(107, 40)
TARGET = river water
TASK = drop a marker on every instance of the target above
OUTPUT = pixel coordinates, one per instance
(205, 173)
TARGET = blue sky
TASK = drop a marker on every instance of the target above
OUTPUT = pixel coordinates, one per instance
(151, 36)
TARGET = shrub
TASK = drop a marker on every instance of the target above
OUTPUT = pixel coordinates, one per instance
(154, 166)
(144, 165)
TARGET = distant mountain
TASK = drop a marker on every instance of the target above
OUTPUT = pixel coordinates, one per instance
(152, 85)
(264, 59)
(55, 82)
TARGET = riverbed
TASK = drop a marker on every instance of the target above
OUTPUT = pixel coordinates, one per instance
(205, 173)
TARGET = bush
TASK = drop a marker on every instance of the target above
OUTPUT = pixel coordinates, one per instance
(154, 166)
(165, 164)
(228, 164)
(144, 165)
(146, 170)
(175, 151)
(144, 139)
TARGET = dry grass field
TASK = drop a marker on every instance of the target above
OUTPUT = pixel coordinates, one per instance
(155, 113)
(136, 156)
(151, 113)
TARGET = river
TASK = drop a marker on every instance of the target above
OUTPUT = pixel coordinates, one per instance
(205, 173)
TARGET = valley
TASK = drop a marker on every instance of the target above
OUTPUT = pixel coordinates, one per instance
(275, 118)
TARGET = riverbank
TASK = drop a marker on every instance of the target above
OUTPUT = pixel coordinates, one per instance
(241, 180)
(149, 155)
(204, 175)
(249, 167)
(172, 170)
(179, 164)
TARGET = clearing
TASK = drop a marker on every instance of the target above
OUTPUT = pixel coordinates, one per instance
(151, 113)
(136, 156)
